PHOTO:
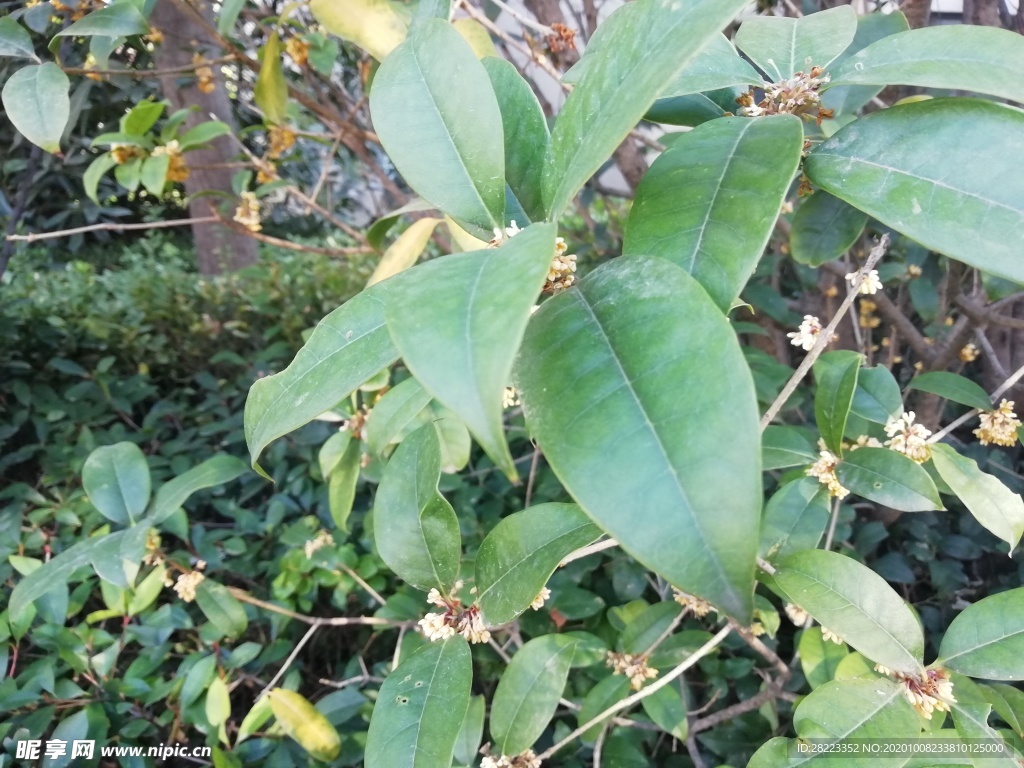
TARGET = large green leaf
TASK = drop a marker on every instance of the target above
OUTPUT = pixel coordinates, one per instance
(421, 707)
(994, 505)
(889, 478)
(377, 26)
(116, 479)
(716, 66)
(783, 447)
(952, 386)
(341, 488)
(15, 40)
(526, 135)
(635, 387)
(171, 495)
(956, 57)
(794, 518)
(780, 45)
(348, 347)
(819, 658)
(835, 375)
(692, 110)
(824, 228)
(393, 414)
(55, 572)
(528, 692)
(416, 531)
(935, 171)
(518, 556)
(436, 115)
(667, 708)
(877, 397)
(36, 100)
(471, 734)
(854, 602)
(458, 322)
(847, 99)
(117, 20)
(223, 609)
(622, 82)
(710, 202)
(971, 721)
(987, 639)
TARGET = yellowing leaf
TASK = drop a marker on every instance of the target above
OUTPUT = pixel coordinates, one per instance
(477, 37)
(271, 89)
(376, 26)
(405, 251)
(304, 723)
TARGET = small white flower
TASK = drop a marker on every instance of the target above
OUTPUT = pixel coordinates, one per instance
(435, 598)
(314, 545)
(806, 336)
(186, 585)
(510, 399)
(436, 627)
(824, 469)
(872, 283)
(828, 634)
(796, 614)
(538, 601)
(908, 438)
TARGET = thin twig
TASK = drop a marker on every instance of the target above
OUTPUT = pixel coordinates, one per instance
(359, 580)
(579, 554)
(640, 695)
(288, 662)
(544, 29)
(599, 744)
(825, 337)
(112, 227)
(532, 477)
(336, 621)
(833, 520)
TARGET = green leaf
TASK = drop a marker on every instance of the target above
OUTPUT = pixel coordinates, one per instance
(72, 728)
(376, 26)
(454, 437)
(691, 110)
(607, 692)
(781, 46)
(600, 112)
(218, 702)
(54, 573)
(197, 680)
(667, 708)
(835, 374)
(255, 719)
(154, 173)
(467, 745)
(889, 478)
(15, 40)
(783, 447)
(405, 251)
(528, 692)
(393, 414)
(271, 91)
(855, 603)
(348, 347)
(877, 397)
(116, 479)
(637, 391)
(141, 117)
(223, 610)
(819, 658)
(421, 707)
(995, 506)
(96, 170)
(171, 495)
(716, 66)
(341, 489)
(987, 639)
(646, 629)
(962, 58)
(36, 101)
(710, 202)
(118, 20)
(306, 724)
(229, 12)
(436, 115)
(526, 135)
(332, 451)
(915, 169)
(847, 99)
(203, 133)
(794, 518)
(476, 35)
(416, 531)
(952, 386)
(971, 721)
(458, 322)
(518, 556)
(824, 228)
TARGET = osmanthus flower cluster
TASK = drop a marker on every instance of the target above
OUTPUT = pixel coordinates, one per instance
(999, 427)
(797, 95)
(824, 469)
(561, 273)
(908, 438)
(527, 759)
(929, 692)
(454, 619)
(871, 284)
(188, 583)
(633, 666)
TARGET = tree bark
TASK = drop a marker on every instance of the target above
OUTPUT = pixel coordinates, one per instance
(218, 248)
(918, 13)
(982, 12)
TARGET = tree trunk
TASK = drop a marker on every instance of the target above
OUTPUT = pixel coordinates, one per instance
(982, 12)
(918, 13)
(218, 248)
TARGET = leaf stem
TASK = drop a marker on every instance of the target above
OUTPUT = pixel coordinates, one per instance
(1000, 391)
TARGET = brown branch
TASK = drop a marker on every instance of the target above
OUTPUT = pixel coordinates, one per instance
(143, 73)
(315, 621)
(112, 227)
